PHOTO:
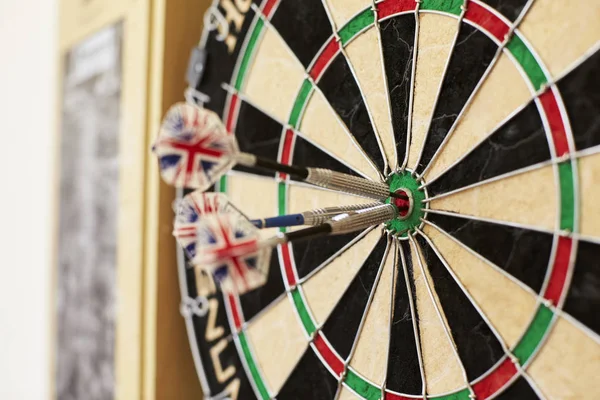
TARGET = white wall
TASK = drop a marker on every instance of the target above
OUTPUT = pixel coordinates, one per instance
(28, 34)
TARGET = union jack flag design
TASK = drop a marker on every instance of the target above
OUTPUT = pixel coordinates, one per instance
(189, 213)
(193, 147)
(228, 247)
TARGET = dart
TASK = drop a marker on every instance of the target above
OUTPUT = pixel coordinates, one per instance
(232, 233)
(313, 217)
(229, 247)
(191, 208)
(194, 150)
(197, 205)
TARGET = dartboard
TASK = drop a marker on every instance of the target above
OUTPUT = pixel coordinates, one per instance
(485, 112)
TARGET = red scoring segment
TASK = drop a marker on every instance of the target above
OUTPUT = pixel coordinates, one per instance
(394, 396)
(560, 269)
(235, 312)
(285, 252)
(557, 126)
(327, 54)
(286, 151)
(389, 8)
(329, 355)
(486, 19)
(496, 380)
(269, 8)
(233, 113)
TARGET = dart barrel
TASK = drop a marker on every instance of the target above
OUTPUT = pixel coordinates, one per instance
(322, 215)
(347, 183)
(363, 219)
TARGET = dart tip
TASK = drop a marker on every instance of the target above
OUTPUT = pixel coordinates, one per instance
(399, 196)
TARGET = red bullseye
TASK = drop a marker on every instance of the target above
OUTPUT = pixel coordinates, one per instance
(404, 202)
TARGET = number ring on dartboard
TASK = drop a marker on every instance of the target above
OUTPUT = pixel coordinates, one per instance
(486, 281)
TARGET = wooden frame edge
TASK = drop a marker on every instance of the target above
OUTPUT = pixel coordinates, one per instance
(152, 354)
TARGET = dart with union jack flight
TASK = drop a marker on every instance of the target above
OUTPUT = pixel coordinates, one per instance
(229, 246)
(194, 150)
(196, 205)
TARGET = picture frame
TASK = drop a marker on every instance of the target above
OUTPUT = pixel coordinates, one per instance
(152, 356)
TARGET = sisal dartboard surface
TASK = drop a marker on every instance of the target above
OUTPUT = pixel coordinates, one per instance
(488, 111)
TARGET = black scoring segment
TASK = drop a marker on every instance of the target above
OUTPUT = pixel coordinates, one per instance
(580, 91)
(507, 247)
(308, 155)
(254, 301)
(309, 380)
(477, 346)
(472, 54)
(404, 373)
(212, 331)
(258, 134)
(518, 390)
(583, 300)
(341, 328)
(398, 40)
(341, 90)
(221, 62)
(227, 358)
(304, 26)
(519, 143)
(511, 9)
(309, 254)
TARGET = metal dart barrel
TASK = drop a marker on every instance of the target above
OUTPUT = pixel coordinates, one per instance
(347, 223)
(324, 178)
(322, 215)
(362, 219)
(347, 183)
(313, 217)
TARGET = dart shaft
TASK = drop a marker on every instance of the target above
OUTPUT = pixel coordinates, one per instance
(250, 160)
(322, 177)
(277, 222)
